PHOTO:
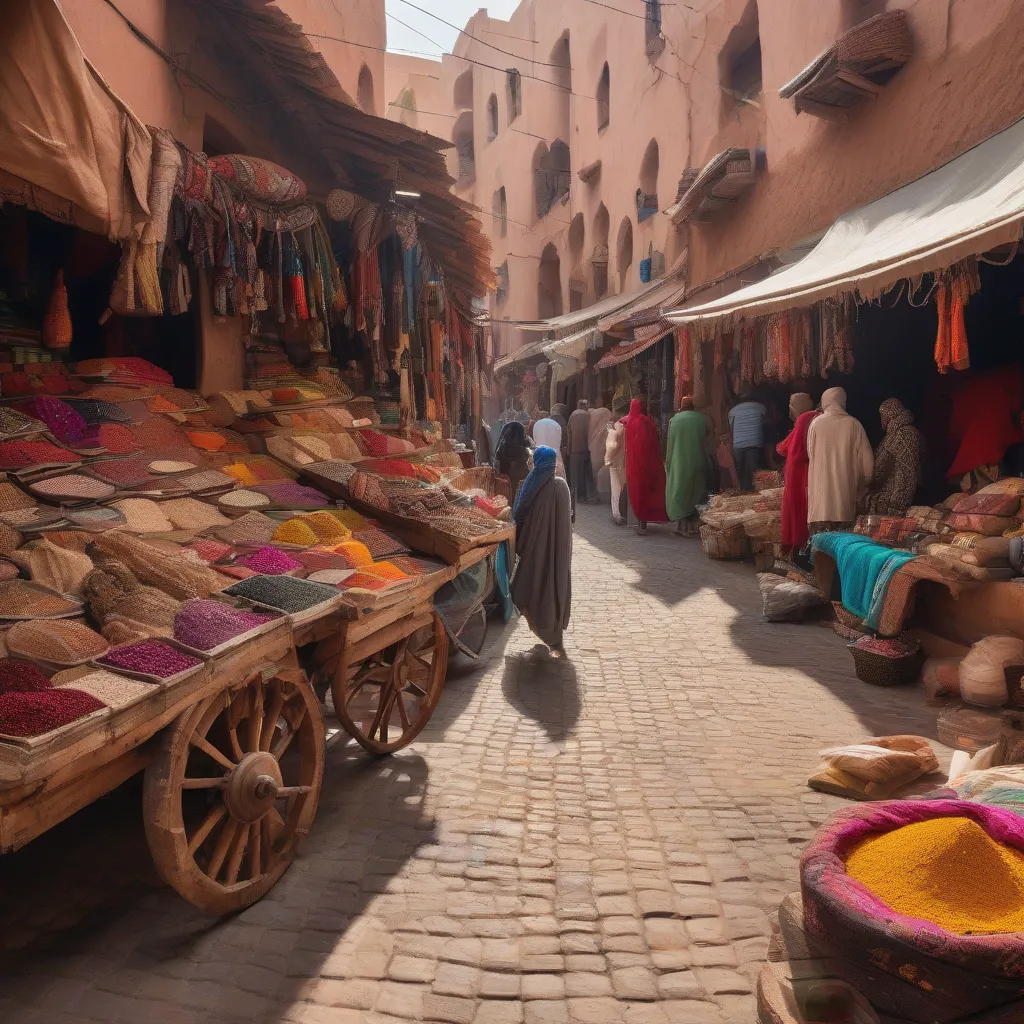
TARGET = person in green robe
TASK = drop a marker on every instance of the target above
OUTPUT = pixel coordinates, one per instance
(685, 466)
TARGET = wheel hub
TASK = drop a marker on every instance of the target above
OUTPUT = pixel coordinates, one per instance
(252, 787)
(402, 676)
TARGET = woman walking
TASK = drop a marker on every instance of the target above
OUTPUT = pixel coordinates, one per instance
(686, 464)
(615, 460)
(542, 585)
(645, 472)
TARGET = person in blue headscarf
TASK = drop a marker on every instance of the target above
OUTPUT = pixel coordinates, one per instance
(542, 584)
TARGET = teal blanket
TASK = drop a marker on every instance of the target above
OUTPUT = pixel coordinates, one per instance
(865, 569)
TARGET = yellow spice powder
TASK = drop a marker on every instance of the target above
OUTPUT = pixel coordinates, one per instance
(948, 871)
(295, 531)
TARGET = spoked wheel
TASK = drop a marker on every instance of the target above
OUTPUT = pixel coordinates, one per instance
(234, 789)
(386, 698)
(470, 639)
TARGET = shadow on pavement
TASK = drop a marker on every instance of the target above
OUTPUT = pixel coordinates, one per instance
(544, 689)
(88, 887)
(676, 573)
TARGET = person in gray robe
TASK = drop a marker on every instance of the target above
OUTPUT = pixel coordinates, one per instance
(542, 584)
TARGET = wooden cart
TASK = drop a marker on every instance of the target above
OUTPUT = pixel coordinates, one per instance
(233, 753)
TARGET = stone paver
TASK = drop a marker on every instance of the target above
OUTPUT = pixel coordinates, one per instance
(587, 841)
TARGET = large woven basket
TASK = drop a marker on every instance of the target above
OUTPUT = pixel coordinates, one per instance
(885, 670)
(723, 544)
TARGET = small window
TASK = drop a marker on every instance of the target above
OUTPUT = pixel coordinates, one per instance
(499, 210)
(604, 99)
(624, 252)
(364, 91)
(549, 284)
(599, 258)
(462, 92)
(514, 89)
(501, 291)
(492, 118)
(462, 136)
(745, 76)
(647, 193)
(551, 176)
(654, 41)
(739, 62)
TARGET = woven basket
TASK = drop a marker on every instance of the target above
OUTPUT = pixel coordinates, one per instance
(846, 618)
(881, 670)
(764, 556)
(723, 544)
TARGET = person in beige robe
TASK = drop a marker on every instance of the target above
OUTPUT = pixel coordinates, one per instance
(841, 464)
(615, 460)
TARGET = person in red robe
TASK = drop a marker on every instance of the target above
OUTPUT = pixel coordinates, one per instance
(645, 471)
(794, 496)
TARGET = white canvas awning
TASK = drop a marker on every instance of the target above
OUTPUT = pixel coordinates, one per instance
(966, 207)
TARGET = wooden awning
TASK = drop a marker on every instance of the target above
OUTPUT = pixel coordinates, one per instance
(359, 152)
(855, 68)
(715, 188)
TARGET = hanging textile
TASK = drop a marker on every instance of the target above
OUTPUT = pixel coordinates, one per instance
(700, 394)
(748, 341)
(683, 365)
(785, 348)
(953, 291)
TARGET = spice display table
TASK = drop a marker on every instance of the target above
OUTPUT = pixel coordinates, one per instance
(233, 751)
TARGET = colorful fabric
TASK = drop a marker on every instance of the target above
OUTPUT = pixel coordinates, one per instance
(645, 472)
(685, 464)
(794, 495)
(984, 422)
(897, 471)
(988, 505)
(864, 568)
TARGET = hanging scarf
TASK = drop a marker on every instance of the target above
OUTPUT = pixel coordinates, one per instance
(683, 365)
(748, 338)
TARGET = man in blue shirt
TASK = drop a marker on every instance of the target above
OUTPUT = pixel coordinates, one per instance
(746, 421)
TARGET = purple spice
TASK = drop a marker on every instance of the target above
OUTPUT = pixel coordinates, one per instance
(152, 657)
(60, 418)
(291, 493)
(204, 624)
(269, 561)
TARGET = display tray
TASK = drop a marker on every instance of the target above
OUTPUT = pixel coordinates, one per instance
(64, 734)
(148, 677)
(243, 604)
(71, 613)
(328, 606)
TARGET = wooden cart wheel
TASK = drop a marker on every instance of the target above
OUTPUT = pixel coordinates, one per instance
(386, 698)
(233, 789)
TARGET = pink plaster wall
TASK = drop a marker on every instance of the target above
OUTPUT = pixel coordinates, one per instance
(964, 83)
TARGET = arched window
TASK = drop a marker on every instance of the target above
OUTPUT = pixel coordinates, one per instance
(599, 257)
(551, 175)
(654, 41)
(624, 252)
(462, 136)
(492, 117)
(647, 194)
(462, 92)
(739, 62)
(604, 110)
(501, 291)
(499, 211)
(364, 91)
(561, 81)
(514, 93)
(549, 284)
(577, 277)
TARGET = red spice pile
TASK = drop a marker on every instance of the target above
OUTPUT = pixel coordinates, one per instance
(19, 454)
(21, 677)
(32, 714)
(118, 439)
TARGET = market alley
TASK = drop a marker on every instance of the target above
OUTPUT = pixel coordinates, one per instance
(598, 839)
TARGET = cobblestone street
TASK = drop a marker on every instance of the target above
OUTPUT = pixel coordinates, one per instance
(596, 840)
